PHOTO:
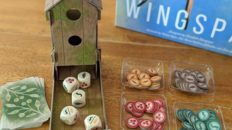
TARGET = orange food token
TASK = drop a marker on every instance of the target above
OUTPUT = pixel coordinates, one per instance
(144, 76)
(156, 79)
(145, 83)
(152, 72)
(131, 76)
(134, 83)
(135, 71)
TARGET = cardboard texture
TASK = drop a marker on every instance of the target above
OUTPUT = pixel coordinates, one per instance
(84, 29)
(75, 49)
(199, 23)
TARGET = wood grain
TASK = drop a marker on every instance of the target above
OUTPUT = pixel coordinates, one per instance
(25, 45)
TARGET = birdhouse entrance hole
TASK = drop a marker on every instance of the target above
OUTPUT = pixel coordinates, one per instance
(74, 40)
(73, 14)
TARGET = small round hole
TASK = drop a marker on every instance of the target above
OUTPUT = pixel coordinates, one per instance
(73, 14)
(74, 40)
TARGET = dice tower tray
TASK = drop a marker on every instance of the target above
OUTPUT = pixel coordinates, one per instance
(75, 49)
(94, 100)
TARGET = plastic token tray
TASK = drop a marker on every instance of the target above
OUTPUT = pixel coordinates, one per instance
(134, 96)
(196, 107)
(205, 70)
(130, 64)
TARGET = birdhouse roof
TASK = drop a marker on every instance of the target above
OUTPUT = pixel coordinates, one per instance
(51, 3)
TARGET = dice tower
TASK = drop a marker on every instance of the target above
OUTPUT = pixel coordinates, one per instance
(74, 26)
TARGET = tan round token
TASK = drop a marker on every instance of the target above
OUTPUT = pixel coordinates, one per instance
(131, 76)
(151, 72)
(135, 71)
(134, 82)
(145, 82)
(155, 79)
(140, 87)
(144, 76)
(154, 86)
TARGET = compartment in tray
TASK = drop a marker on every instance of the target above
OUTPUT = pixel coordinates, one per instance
(140, 70)
(133, 97)
(196, 108)
(191, 77)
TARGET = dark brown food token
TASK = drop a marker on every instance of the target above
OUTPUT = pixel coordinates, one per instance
(200, 77)
(183, 74)
(177, 81)
(190, 79)
(194, 73)
(193, 87)
(177, 74)
(187, 71)
(203, 86)
(183, 85)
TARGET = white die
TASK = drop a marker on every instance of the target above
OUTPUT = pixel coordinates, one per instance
(69, 115)
(70, 84)
(93, 122)
(78, 98)
(85, 79)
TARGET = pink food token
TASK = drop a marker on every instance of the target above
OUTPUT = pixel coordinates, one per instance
(150, 107)
(155, 126)
(129, 107)
(160, 102)
(132, 123)
(137, 114)
(145, 124)
(159, 117)
(156, 106)
(160, 127)
(139, 107)
(162, 109)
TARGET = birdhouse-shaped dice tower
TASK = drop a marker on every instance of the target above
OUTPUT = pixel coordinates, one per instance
(75, 49)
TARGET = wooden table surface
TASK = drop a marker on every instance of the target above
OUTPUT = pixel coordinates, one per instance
(25, 45)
